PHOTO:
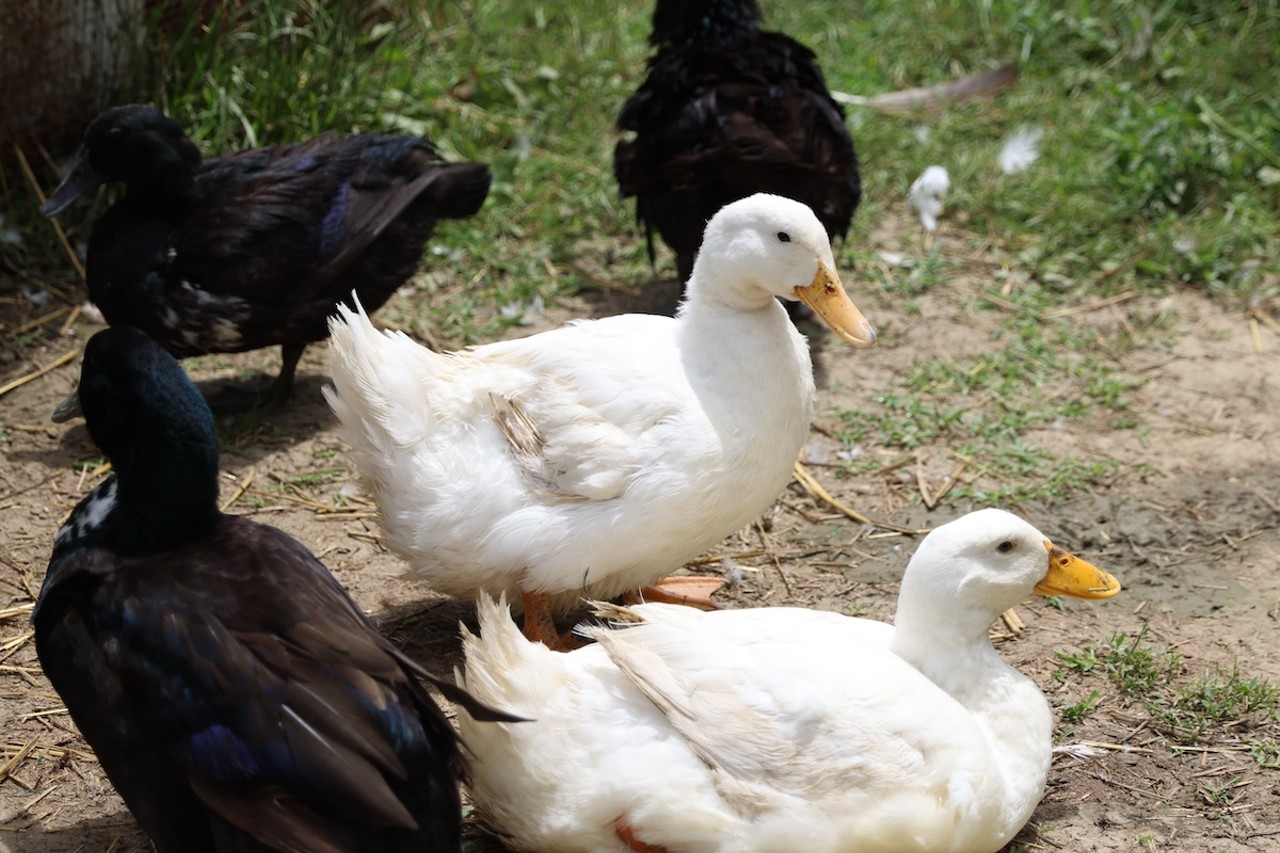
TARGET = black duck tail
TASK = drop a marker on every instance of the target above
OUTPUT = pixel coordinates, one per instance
(460, 189)
(705, 21)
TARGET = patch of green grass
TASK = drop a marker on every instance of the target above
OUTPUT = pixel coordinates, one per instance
(1160, 161)
(1218, 698)
(1266, 753)
(1128, 661)
(1036, 376)
(1188, 711)
(246, 428)
(912, 275)
(319, 476)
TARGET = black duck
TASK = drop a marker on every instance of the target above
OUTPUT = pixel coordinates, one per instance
(233, 692)
(728, 110)
(255, 248)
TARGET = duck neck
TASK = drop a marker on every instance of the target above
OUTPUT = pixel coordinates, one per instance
(166, 502)
(678, 22)
(948, 651)
(166, 491)
(756, 359)
(956, 654)
(730, 333)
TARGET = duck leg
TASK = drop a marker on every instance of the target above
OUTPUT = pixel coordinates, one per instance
(628, 837)
(282, 387)
(238, 401)
(539, 627)
(689, 590)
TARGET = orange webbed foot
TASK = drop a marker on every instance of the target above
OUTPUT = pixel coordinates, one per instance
(689, 590)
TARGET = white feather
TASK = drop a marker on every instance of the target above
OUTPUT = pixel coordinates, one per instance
(91, 313)
(927, 194)
(1020, 150)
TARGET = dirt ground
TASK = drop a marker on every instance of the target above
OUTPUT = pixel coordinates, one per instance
(1188, 523)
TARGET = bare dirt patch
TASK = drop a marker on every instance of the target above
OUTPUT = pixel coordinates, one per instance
(1187, 520)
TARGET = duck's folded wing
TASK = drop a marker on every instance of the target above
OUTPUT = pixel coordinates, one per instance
(808, 710)
(564, 450)
(293, 720)
(261, 218)
(577, 427)
(104, 704)
(302, 213)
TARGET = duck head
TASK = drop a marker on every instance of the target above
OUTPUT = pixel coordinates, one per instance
(136, 144)
(765, 246)
(974, 568)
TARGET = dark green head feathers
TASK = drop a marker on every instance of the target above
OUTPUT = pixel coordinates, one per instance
(148, 418)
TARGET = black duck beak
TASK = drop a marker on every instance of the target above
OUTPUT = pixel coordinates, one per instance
(68, 409)
(82, 179)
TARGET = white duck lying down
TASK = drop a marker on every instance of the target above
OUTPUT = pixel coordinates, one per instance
(599, 456)
(780, 729)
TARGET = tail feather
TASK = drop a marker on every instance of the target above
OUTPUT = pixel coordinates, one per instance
(377, 393)
(506, 670)
(460, 190)
(495, 654)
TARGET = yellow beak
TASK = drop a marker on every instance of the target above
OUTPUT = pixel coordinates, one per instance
(826, 296)
(1070, 575)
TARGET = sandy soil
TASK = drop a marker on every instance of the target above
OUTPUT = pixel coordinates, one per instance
(1189, 524)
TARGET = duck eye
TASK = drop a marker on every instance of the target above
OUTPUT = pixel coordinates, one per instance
(784, 237)
(1005, 547)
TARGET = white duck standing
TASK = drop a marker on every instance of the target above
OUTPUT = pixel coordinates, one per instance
(780, 729)
(594, 458)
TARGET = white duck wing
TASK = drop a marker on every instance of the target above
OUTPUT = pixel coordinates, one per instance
(575, 423)
(807, 708)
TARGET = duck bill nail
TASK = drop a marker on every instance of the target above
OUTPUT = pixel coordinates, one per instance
(81, 180)
(68, 409)
(826, 296)
(1070, 575)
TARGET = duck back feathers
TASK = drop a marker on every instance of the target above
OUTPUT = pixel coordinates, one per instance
(728, 110)
(235, 695)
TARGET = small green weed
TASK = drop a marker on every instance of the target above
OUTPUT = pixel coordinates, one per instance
(1076, 712)
(1266, 753)
(1129, 662)
(1220, 794)
(1218, 698)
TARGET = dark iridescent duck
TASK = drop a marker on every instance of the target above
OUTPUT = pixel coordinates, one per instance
(235, 695)
(727, 111)
(255, 248)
